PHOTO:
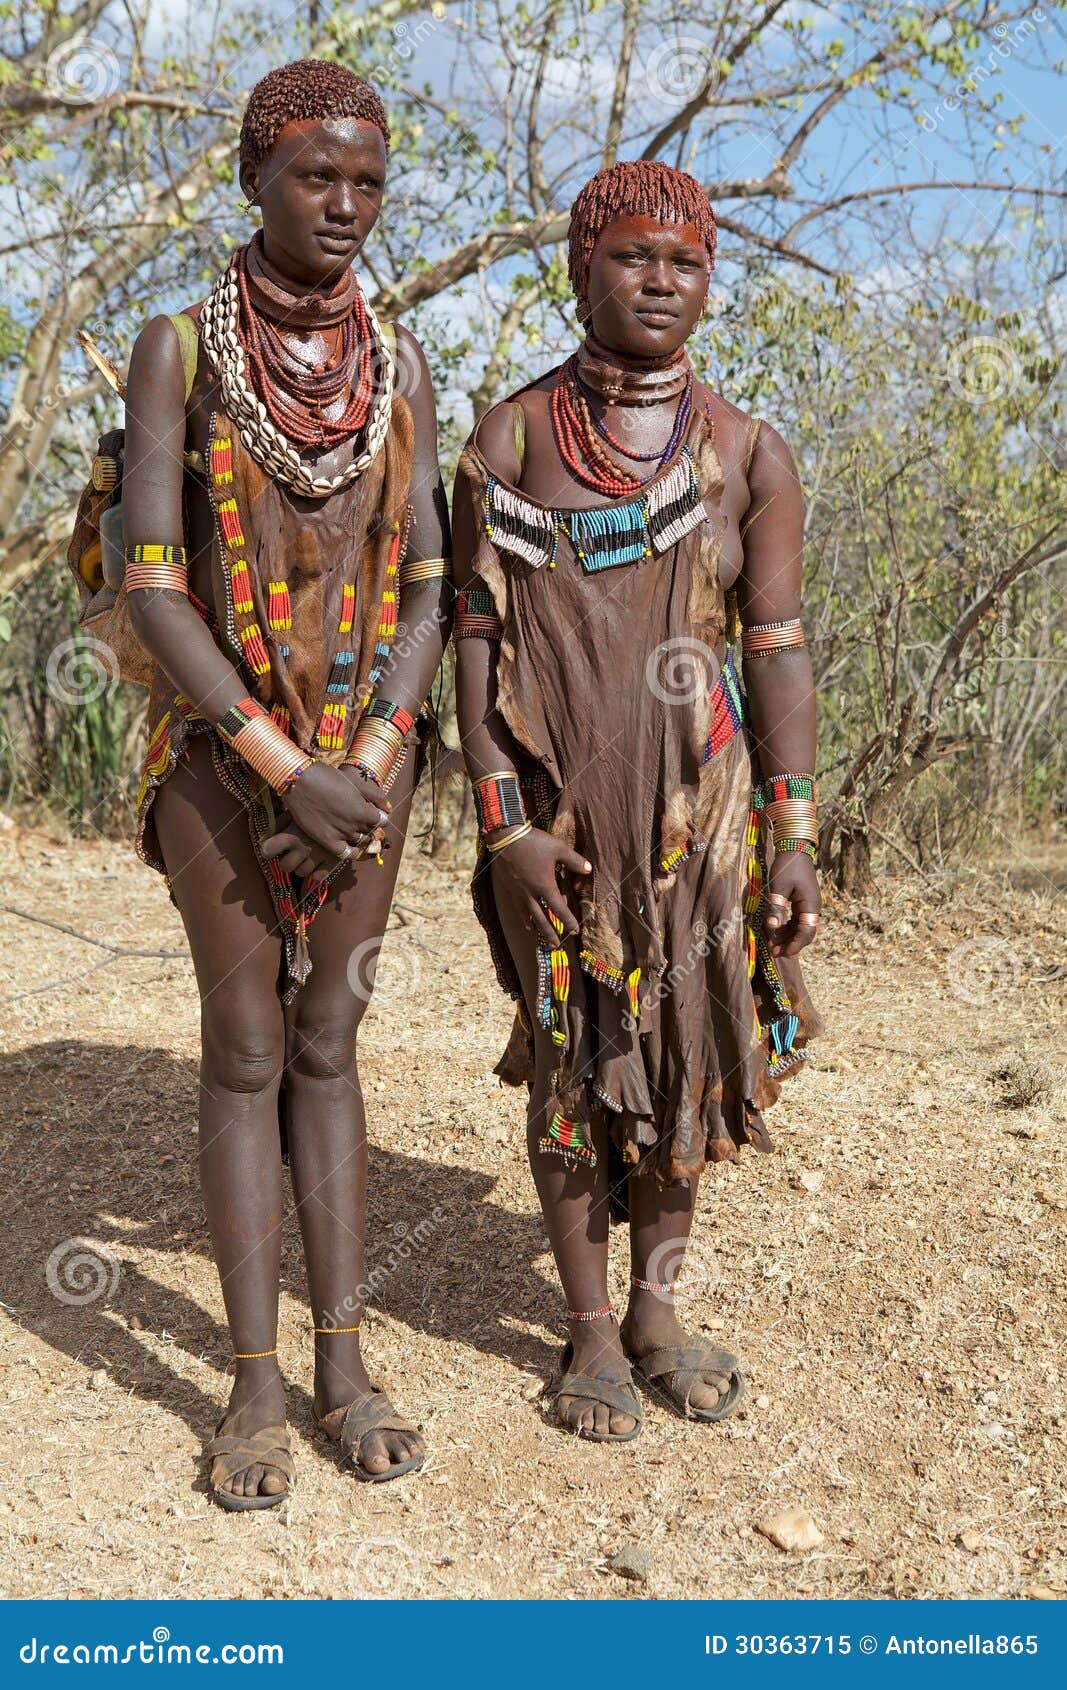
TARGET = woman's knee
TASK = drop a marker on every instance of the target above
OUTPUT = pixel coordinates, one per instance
(242, 1053)
(324, 1043)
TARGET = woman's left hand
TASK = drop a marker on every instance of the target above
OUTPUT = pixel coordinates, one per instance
(791, 881)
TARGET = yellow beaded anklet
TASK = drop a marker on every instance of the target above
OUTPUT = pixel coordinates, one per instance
(252, 1355)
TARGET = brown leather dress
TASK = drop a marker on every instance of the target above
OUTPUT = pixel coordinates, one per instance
(672, 1022)
(304, 605)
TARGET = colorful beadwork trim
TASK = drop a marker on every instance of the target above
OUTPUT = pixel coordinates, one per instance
(279, 605)
(241, 587)
(476, 616)
(348, 608)
(604, 537)
(153, 552)
(606, 1313)
(221, 458)
(331, 729)
(230, 523)
(777, 787)
(340, 676)
(727, 709)
(570, 1139)
(254, 649)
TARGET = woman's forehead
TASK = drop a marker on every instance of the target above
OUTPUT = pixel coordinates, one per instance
(653, 231)
(330, 139)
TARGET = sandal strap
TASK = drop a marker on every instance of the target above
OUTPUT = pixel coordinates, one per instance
(616, 1394)
(231, 1454)
(371, 1413)
(694, 1357)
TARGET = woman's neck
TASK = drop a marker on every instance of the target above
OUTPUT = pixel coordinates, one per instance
(294, 303)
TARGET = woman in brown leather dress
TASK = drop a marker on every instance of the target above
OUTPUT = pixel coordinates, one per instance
(612, 520)
(274, 516)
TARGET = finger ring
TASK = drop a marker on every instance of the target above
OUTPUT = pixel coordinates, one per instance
(383, 818)
(345, 854)
(809, 918)
(776, 898)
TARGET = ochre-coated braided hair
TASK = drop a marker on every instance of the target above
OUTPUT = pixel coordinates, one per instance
(307, 89)
(638, 188)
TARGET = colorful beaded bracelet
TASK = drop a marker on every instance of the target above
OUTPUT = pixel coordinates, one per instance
(387, 711)
(498, 801)
(162, 567)
(476, 617)
(249, 730)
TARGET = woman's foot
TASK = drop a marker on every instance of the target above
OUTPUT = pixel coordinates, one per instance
(256, 1402)
(340, 1380)
(651, 1324)
(596, 1351)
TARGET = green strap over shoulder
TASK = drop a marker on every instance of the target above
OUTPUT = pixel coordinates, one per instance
(189, 340)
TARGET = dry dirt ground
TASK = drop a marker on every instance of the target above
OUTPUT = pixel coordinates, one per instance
(891, 1277)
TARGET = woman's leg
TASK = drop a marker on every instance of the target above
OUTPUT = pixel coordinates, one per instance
(660, 1222)
(225, 905)
(327, 1126)
(574, 1204)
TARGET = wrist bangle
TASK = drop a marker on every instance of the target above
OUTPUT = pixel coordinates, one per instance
(263, 745)
(498, 801)
(516, 833)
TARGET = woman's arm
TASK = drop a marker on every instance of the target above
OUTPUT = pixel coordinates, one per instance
(329, 808)
(424, 608)
(779, 686)
(523, 872)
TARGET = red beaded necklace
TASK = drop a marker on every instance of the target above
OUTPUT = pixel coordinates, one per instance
(295, 396)
(578, 435)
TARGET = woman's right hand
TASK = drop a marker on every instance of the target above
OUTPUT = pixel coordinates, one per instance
(333, 807)
(524, 874)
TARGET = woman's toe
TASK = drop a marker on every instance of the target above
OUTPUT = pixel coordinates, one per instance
(601, 1420)
(622, 1423)
(706, 1393)
(274, 1482)
(373, 1454)
(253, 1480)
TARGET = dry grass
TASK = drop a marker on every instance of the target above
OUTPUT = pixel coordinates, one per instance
(892, 1278)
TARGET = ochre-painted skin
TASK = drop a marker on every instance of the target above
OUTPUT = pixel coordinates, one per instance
(320, 193)
(647, 287)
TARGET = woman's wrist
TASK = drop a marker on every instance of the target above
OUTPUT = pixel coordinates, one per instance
(263, 745)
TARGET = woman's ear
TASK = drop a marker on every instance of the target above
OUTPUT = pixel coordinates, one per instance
(248, 176)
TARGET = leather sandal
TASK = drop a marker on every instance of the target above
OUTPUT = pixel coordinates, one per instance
(372, 1412)
(231, 1454)
(677, 1368)
(615, 1389)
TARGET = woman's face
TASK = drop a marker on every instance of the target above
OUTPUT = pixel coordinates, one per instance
(647, 284)
(320, 191)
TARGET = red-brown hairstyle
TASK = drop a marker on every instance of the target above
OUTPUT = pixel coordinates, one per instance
(307, 89)
(639, 188)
